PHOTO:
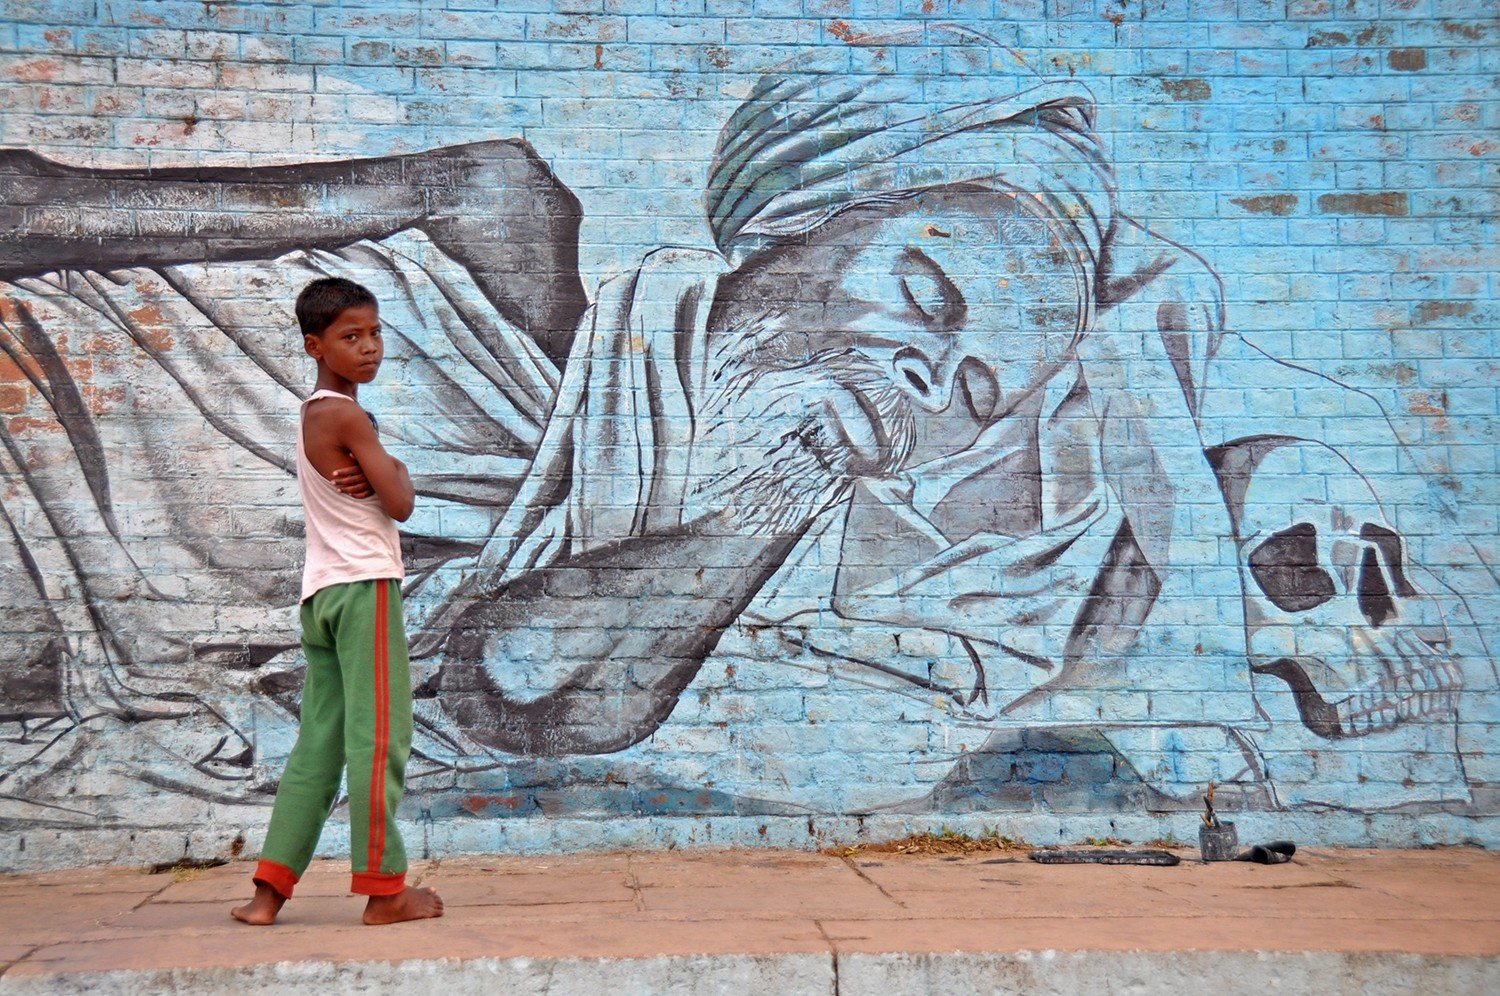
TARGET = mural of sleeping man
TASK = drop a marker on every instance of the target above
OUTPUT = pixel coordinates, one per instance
(933, 435)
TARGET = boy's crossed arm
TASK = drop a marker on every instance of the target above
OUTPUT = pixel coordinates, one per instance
(348, 431)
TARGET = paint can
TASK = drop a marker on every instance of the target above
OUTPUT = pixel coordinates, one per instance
(1219, 842)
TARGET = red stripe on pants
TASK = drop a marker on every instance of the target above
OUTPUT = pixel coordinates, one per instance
(382, 734)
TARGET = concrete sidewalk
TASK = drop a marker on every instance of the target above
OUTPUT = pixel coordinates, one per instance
(782, 922)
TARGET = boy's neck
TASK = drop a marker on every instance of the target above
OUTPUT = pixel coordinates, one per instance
(330, 381)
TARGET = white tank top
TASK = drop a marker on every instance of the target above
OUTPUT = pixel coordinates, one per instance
(348, 539)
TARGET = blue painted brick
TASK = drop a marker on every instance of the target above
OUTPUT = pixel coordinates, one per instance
(1331, 166)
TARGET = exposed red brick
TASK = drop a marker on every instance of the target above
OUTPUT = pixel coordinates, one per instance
(152, 326)
(1430, 311)
(11, 372)
(1187, 89)
(1389, 203)
(1326, 39)
(1309, 8)
(1426, 404)
(22, 424)
(1473, 32)
(1279, 205)
(1407, 60)
(846, 34)
(12, 398)
(39, 70)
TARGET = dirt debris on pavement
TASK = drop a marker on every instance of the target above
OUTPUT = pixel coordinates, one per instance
(943, 842)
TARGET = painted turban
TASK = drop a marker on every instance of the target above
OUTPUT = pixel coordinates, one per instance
(855, 127)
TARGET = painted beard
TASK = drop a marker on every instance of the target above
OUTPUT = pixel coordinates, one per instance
(781, 434)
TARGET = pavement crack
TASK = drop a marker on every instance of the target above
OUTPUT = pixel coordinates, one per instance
(147, 899)
(860, 872)
(833, 953)
(6, 966)
(634, 884)
(105, 921)
(433, 865)
(537, 904)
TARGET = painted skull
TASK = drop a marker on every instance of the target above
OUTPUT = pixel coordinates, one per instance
(1331, 607)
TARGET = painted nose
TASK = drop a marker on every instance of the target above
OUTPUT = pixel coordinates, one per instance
(931, 385)
(922, 380)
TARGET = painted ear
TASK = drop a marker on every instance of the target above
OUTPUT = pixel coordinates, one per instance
(1140, 269)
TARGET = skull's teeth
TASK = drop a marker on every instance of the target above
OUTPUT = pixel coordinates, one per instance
(1411, 695)
(1451, 673)
(1367, 713)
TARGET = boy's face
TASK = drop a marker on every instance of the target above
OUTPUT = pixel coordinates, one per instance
(351, 347)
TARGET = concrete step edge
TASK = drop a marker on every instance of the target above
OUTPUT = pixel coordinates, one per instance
(1254, 973)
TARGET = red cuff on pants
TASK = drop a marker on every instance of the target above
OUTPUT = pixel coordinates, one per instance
(277, 876)
(377, 884)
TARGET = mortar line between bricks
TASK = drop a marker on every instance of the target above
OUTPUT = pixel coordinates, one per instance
(856, 870)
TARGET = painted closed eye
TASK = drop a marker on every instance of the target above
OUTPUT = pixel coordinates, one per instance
(928, 291)
(923, 292)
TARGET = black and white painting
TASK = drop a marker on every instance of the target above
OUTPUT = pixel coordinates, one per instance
(935, 454)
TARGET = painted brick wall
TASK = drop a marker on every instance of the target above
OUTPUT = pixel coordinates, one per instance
(829, 420)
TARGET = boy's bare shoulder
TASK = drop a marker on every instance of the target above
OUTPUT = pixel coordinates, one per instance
(337, 416)
(329, 403)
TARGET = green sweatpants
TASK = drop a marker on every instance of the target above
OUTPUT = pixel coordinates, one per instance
(356, 711)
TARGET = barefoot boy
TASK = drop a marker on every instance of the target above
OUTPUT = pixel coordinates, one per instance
(356, 699)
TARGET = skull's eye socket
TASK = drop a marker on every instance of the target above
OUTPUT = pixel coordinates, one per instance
(1286, 568)
(1389, 544)
(1375, 602)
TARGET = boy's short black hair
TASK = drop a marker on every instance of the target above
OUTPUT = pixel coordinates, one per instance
(322, 300)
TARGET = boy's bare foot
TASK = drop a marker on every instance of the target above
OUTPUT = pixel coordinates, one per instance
(260, 911)
(412, 904)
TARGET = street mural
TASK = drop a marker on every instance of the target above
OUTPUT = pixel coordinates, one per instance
(934, 426)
